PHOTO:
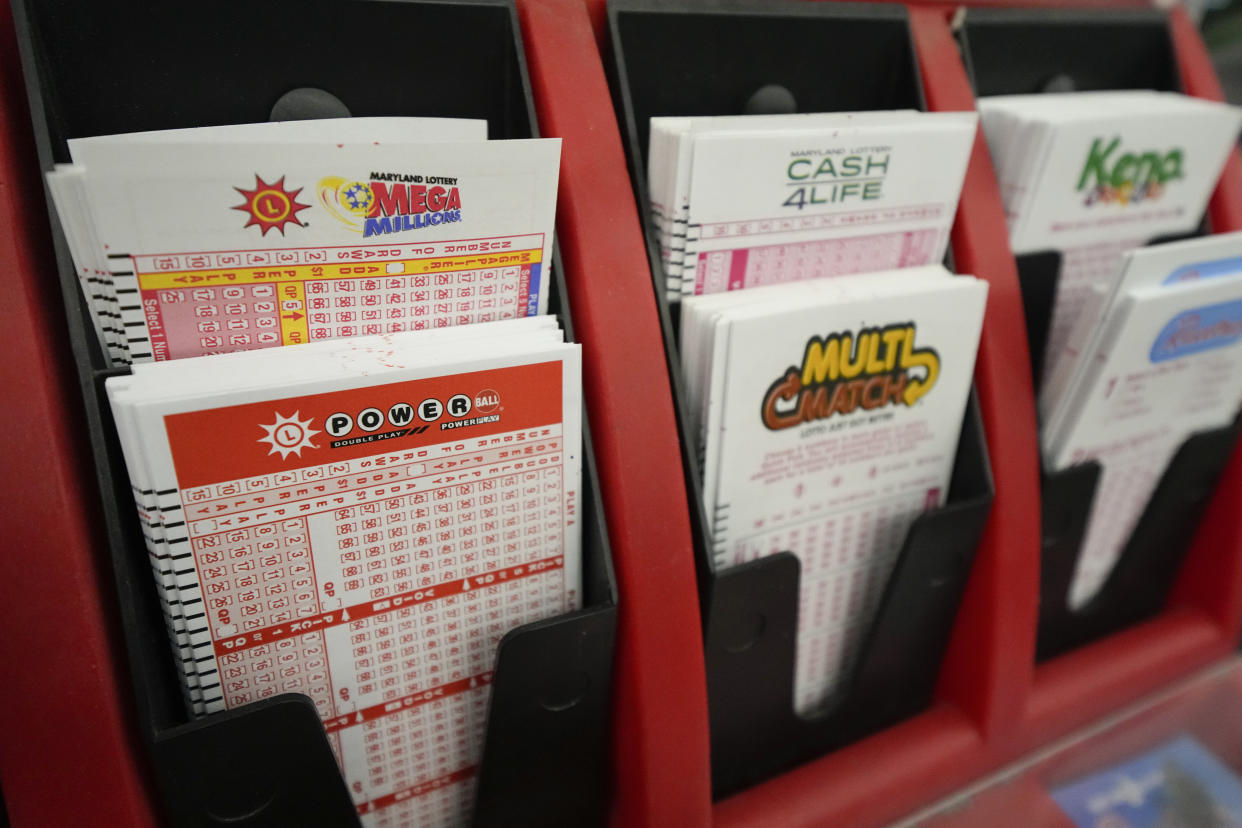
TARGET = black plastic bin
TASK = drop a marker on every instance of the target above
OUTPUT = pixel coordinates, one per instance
(1029, 51)
(100, 68)
(714, 58)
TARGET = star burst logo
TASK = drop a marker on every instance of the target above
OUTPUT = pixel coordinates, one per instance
(271, 206)
(288, 435)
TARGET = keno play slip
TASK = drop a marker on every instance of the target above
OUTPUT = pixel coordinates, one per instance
(1094, 174)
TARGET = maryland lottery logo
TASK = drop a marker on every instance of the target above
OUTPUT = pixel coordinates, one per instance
(844, 373)
(271, 206)
(390, 202)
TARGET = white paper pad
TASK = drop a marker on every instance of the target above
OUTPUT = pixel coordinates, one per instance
(361, 521)
(830, 453)
(748, 201)
(236, 238)
(1157, 359)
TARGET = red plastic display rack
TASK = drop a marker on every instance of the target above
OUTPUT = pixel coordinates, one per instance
(994, 703)
(660, 704)
(67, 755)
(80, 713)
(1204, 617)
(987, 671)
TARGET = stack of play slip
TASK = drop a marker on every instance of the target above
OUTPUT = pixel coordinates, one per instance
(757, 200)
(829, 414)
(1155, 357)
(212, 240)
(1093, 174)
(361, 521)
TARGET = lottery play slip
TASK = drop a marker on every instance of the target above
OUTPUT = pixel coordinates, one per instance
(829, 414)
(745, 201)
(1156, 356)
(361, 520)
(1094, 174)
(221, 239)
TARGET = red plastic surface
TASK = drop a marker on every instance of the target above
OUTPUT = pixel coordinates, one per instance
(994, 703)
(987, 671)
(660, 709)
(1205, 618)
(988, 666)
(869, 783)
(1211, 580)
(63, 718)
(66, 756)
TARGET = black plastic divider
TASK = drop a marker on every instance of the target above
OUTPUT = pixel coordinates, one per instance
(1038, 276)
(95, 69)
(732, 58)
(1139, 584)
(752, 620)
(1026, 51)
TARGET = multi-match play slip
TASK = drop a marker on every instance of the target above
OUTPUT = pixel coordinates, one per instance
(828, 414)
(362, 520)
(756, 200)
(234, 238)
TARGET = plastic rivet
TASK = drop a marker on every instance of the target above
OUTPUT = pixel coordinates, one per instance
(747, 633)
(307, 103)
(566, 695)
(772, 99)
(1059, 83)
(235, 812)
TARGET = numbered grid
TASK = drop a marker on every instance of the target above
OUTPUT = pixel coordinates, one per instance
(1082, 268)
(846, 560)
(354, 307)
(776, 264)
(264, 573)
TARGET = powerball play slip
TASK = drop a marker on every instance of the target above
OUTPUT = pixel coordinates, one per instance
(212, 246)
(362, 521)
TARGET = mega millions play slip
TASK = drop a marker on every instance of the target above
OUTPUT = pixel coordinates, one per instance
(829, 414)
(222, 239)
(757, 200)
(1156, 357)
(1094, 174)
(362, 520)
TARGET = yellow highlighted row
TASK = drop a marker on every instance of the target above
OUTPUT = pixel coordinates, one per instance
(293, 328)
(269, 274)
